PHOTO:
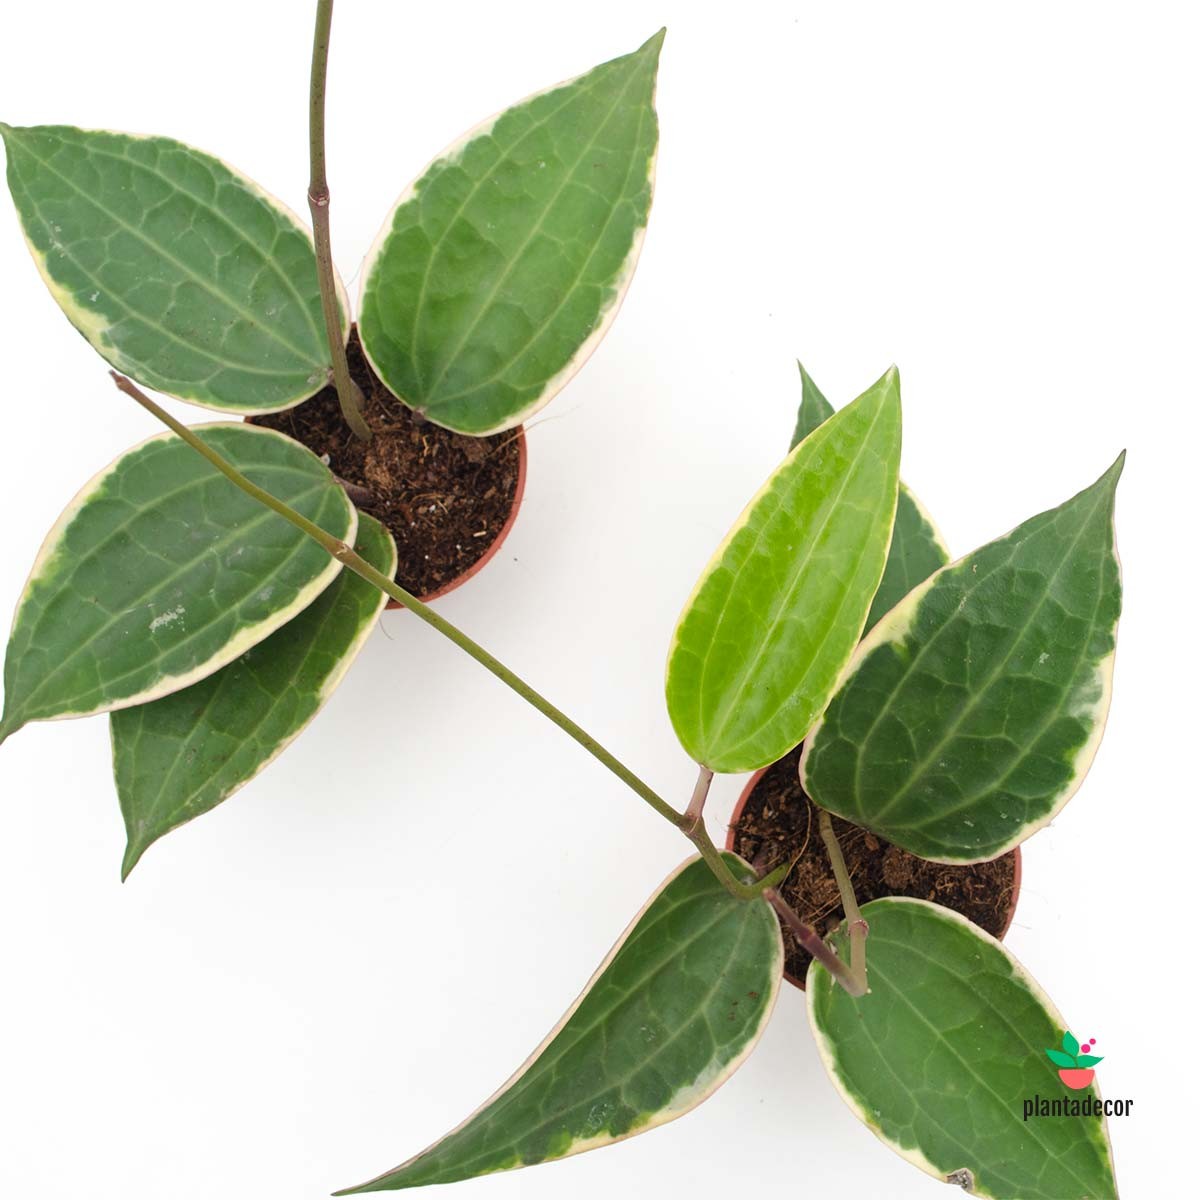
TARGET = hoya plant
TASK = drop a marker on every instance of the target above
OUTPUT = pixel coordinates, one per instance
(214, 637)
(959, 726)
(210, 587)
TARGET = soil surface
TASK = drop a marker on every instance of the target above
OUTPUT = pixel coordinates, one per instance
(780, 821)
(444, 496)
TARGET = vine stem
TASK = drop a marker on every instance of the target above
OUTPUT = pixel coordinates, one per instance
(694, 831)
(350, 396)
(854, 918)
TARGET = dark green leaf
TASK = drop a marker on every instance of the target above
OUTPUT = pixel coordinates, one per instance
(673, 1011)
(183, 755)
(971, 713)
(161, 571)
(503, 266)
(941, 1057)
(180, 271)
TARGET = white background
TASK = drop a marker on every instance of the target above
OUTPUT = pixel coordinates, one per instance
(306, 986)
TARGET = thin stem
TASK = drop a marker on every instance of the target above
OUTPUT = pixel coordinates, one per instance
(854, 918)
(694, 815)
(350, 396)
(811, 941)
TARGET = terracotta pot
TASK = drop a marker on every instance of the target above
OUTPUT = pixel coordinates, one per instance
(505, 529)
(752, 783)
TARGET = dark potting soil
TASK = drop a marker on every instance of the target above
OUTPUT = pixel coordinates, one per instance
(780, 821)
(444, 496)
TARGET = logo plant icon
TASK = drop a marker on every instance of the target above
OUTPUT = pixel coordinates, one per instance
(1075, 1062)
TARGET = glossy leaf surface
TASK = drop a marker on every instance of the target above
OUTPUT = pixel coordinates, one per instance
(180, 271)
(939, 1058)
(971, 713)
(777, 613)
(674, 1010)
(501, 268)
(161, 571)
(181, 756)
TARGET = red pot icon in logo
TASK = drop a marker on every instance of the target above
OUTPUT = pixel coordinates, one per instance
(1077, 1077)
(1075, 1062)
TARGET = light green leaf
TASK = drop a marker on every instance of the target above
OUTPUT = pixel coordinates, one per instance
(939, 1058)
(916, 550)
(972, 712)
(160, 572)
(814, 408)
(781, 605)
(673, 1011)
(502, 267)
(181, 756)
(180, 271)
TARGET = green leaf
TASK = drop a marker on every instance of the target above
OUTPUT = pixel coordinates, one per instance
(972, 712)
(916, 550)
(1059, 1059)
(673, 1011)
(160, 572)
(183, 755)
(939, 1058)
(1070, 1043)
(500, 270)
(1088, 1060)
(781, 605)
(814, 408)
(179, 270)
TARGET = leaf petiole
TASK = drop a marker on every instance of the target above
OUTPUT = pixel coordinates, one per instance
(854, 918)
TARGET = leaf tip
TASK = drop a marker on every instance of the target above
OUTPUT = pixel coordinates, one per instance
(133, 855)
(652, 46)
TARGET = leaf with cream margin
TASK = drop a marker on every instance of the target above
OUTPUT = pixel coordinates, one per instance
(972, 712)
(161, 571)
(672, 1012)
(181, 756)
(939, 1059)
(501, 268)
(183, 273)
(777, 613)
(916, 550)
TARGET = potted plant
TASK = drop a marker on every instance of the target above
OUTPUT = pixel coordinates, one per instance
(959, 726)
(493, 278)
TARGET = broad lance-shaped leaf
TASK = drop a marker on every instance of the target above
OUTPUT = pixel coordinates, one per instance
(777, 613)
(161, 571)
(180, 756)
(972, 712)
(941, 1057)
(916, 550)
(502, 267)
(673, 1011)
(180, 271)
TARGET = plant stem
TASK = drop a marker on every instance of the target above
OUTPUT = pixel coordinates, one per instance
(695, 832)
(694, 816)
(350, 396)
(854, 918)
(809, 939)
